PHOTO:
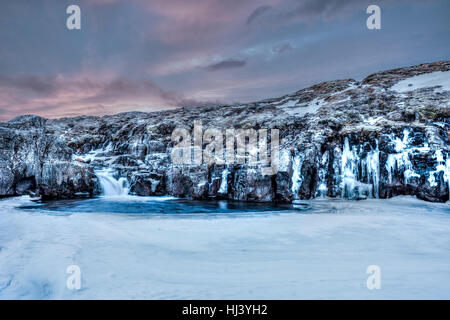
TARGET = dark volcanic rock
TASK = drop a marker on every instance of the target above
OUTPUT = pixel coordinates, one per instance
(6, 180)
(62, 180)
(337, 139)
(35, 161)
(148, 184)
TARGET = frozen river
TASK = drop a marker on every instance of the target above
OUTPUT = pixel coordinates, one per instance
(170, 249)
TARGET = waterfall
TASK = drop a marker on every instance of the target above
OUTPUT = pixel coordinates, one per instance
(111, 187)
(224, 184)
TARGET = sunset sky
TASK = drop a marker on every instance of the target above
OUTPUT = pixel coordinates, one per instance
(158, 54)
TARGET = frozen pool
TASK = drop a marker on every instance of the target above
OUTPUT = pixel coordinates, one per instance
(320, 253)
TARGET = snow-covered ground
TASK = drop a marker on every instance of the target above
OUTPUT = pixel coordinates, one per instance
(319, 253)
(433, 79)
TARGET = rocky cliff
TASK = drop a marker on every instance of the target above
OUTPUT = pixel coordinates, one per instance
(387, 135)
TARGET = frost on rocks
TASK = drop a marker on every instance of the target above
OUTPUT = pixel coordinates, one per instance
(297, 175)
(360, 176)
(442, 166)
(400, 161)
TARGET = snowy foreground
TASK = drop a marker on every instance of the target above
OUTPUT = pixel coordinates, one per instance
(320, 253)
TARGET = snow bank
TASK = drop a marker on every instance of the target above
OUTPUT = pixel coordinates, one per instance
(439, 78)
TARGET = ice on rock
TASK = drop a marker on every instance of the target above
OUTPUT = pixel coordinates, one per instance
(400, 145)
(349, 169)
(93, 154)
(447, 172)
(284, 160)
(442, 166)
(397, 162)
(297, 174)
(323, 189)
(371, 165)
(360, 177)
(400, 161)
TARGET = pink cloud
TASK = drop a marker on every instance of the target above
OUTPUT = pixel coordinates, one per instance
(82, 94)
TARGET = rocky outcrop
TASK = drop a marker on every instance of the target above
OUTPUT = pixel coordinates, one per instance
(66, 180)
(342, 138)
(35, 161)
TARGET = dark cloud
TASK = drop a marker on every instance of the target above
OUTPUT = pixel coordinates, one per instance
(54, 85)
(39, 85)
(311, 9)
(138, 54)
(226, 64)
(258, 12)
(83, 94)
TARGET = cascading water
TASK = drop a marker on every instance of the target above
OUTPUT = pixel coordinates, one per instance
(111, 187)
(224, 184)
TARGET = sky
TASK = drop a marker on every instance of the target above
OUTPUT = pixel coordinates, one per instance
(149, 55)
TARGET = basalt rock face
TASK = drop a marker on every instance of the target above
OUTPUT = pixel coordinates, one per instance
(387, 135)
(35, 161)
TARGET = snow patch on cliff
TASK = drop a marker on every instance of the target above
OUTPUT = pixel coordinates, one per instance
(303, 109)
(433, 79)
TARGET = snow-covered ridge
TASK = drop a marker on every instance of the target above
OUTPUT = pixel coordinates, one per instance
(434, 79)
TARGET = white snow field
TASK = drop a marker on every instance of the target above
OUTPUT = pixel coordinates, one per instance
(433, 79)
(322, 253)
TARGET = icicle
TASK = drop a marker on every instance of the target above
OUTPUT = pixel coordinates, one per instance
(372, 168)
(400, 160)
(360, 176)
(322, 189)
(349, 169)
(442, 165)
(297, 174)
